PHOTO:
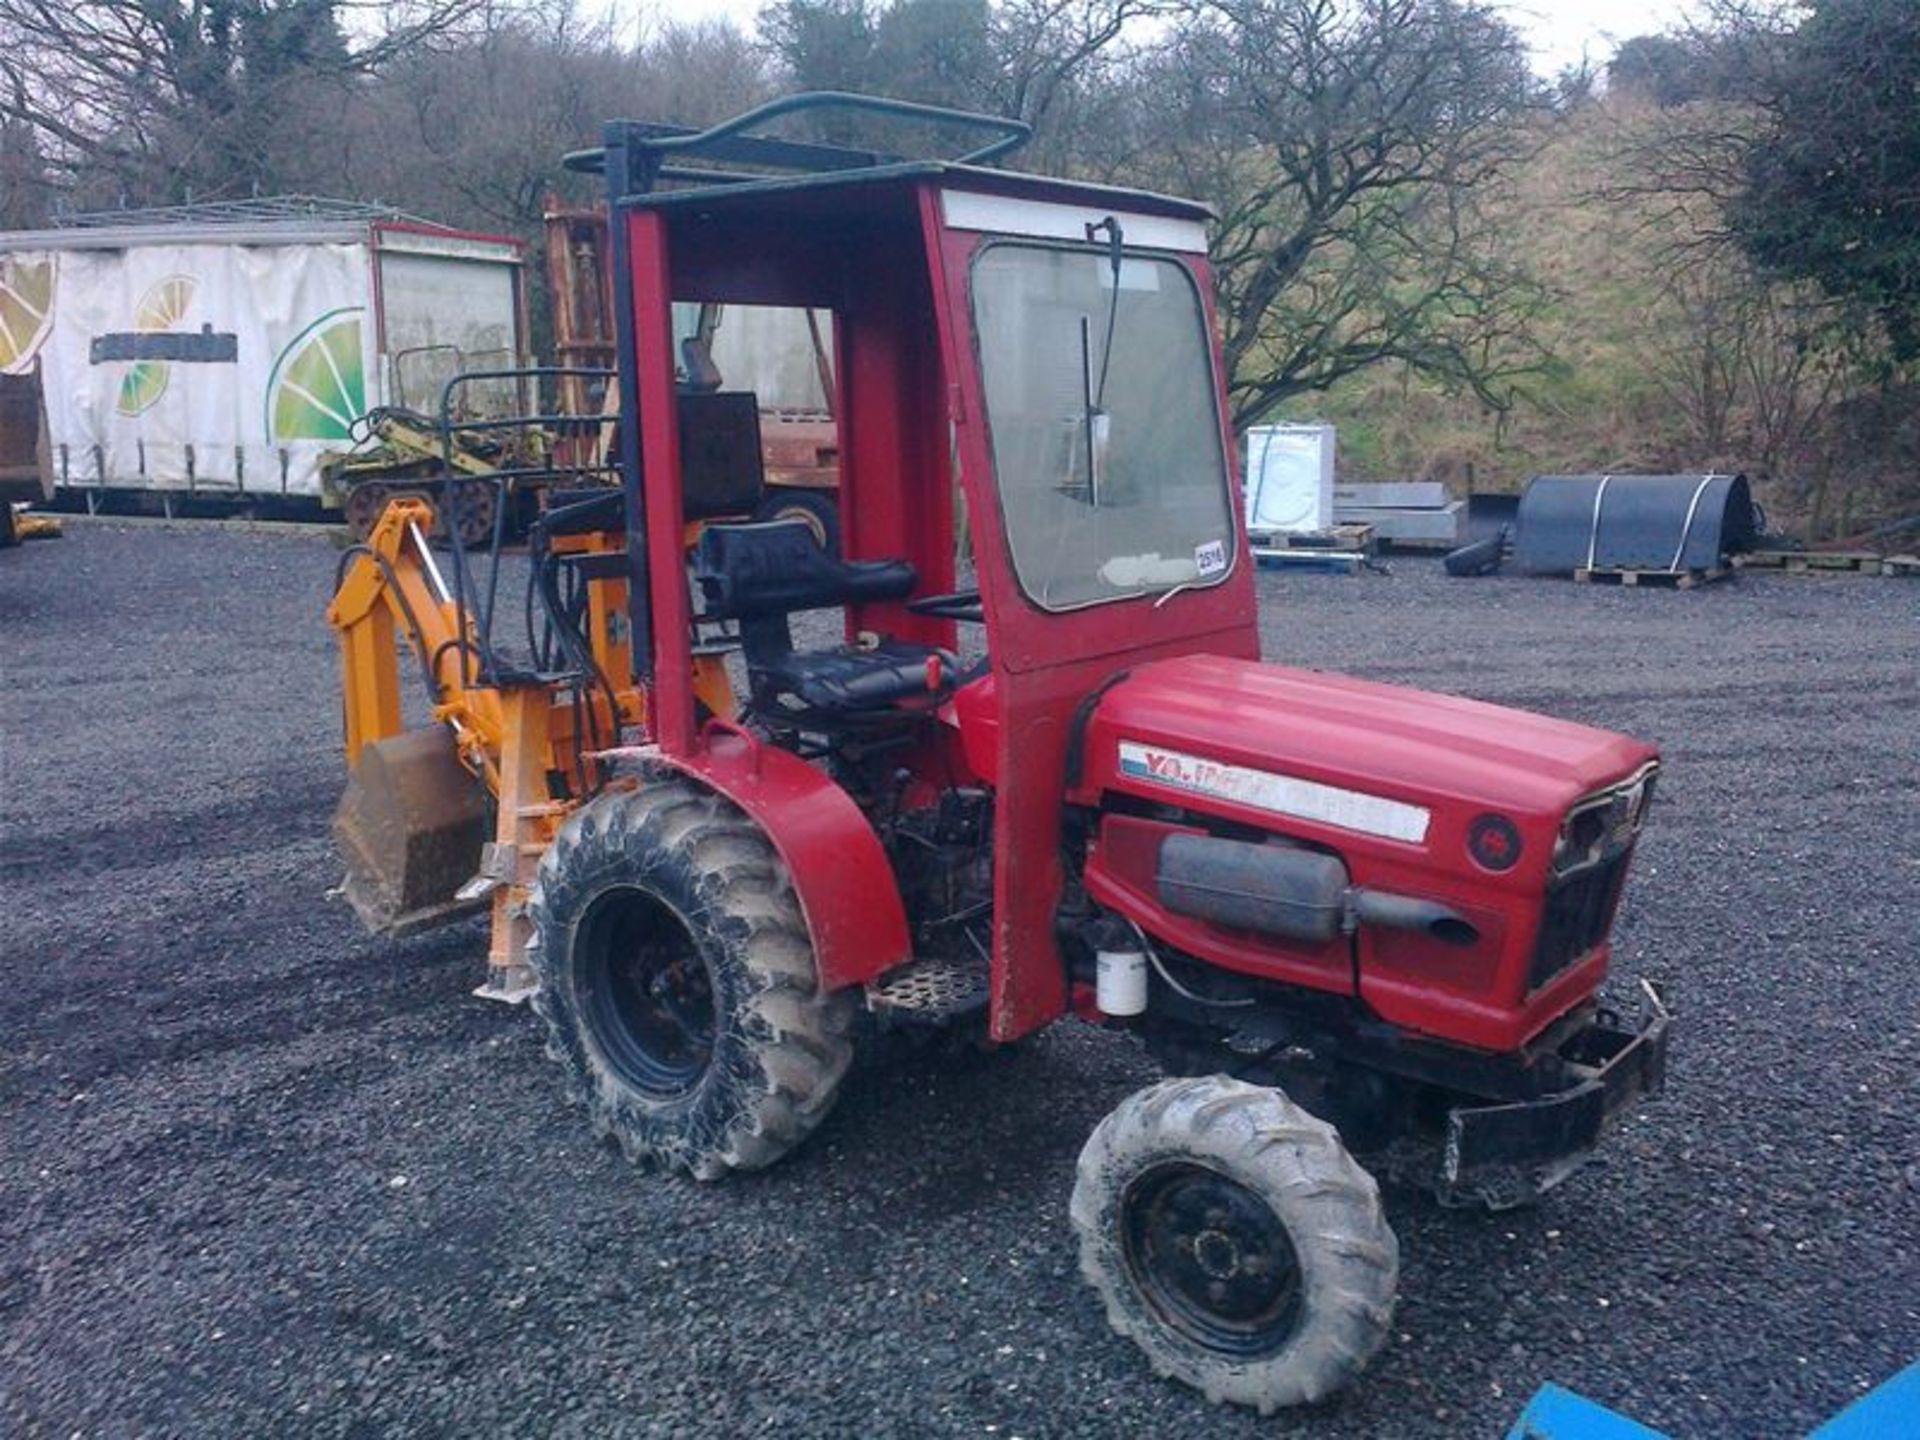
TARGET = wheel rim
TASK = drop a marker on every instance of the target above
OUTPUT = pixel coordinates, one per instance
(645, 993)
(1212, 1259)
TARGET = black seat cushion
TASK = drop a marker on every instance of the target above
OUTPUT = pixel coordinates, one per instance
(759, 574)
(777, 568)
(855, 679)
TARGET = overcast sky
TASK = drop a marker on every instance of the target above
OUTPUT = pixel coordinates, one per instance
(1558, 29)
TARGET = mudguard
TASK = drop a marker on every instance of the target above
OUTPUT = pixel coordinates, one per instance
(840, 872)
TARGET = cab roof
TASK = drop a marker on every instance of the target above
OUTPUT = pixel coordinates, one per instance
(728, 170)
(767, 192)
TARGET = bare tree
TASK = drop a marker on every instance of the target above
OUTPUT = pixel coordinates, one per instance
(1753, 367)
(1773, 159)
(478, 131)
(149, 101)
(1032, 59)
(25, 190)
(1344, 144)
(1697, 354)
(1048, 46)
(1794, 370)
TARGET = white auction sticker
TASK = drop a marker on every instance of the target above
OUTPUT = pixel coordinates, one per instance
(1277, 794)
(1210, 558)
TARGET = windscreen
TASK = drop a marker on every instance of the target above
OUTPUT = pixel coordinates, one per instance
(1106, 429)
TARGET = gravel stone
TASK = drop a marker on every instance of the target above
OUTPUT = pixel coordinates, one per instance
(211, 1080)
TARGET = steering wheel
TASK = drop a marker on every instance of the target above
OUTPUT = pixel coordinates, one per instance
(955, 605)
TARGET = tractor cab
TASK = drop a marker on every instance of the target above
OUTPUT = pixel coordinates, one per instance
(1025, 378)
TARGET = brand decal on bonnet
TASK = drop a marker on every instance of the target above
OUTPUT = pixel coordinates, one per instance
(1277, 794)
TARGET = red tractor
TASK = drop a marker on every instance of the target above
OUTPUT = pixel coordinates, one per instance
(1352, 919)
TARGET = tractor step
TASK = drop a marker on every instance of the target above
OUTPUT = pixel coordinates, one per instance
(933, 991)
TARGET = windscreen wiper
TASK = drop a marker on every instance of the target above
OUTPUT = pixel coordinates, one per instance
(1116, 238)
(1093, 396)
(1089, 411)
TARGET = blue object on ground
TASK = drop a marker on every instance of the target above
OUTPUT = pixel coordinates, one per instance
(1890, 1411)
(1556, 1414)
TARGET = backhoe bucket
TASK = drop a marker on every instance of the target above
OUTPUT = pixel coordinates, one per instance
(410, 828)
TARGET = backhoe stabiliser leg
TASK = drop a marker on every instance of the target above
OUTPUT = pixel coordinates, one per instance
(524, 821)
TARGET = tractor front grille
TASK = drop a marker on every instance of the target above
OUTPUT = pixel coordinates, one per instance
(1578, 911)
(1589, 870)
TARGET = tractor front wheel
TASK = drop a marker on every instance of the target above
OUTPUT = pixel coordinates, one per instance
(1235, 1241)
(678, 983)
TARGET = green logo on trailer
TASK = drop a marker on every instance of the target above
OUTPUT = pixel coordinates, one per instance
(318, 387)
(160, 309)
(26, 311)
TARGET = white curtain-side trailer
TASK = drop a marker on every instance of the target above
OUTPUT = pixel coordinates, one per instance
(225, 358)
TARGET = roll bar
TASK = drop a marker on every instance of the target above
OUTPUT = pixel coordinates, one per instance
(658, 152)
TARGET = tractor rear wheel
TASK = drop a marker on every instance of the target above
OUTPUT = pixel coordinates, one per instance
(678, 983)
(1235, 1241)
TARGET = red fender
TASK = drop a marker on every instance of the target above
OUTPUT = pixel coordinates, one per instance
(840, 872)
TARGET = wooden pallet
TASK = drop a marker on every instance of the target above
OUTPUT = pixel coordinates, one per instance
(1350, 539)
(1666, 579)
(1802, 562)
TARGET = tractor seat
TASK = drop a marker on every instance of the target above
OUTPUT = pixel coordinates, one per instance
(759, 574)
(850, 678)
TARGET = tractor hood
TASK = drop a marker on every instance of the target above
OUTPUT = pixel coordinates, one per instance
(1347, 756)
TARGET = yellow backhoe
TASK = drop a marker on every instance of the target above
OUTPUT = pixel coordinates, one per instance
(450, 817)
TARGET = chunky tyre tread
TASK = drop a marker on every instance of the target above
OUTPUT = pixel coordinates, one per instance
(1330, 1206)
(782, 1048)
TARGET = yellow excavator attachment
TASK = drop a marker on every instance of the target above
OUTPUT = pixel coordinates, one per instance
(446, 820)
(410, 828)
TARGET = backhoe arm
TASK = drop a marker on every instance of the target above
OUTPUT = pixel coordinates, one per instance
(392, 592)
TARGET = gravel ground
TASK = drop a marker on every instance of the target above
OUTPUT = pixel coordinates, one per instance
(259, 1173)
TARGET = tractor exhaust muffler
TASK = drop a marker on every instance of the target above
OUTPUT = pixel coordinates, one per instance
(1293, 893)
(1274, 889)
(1405, 912)
(410, 828)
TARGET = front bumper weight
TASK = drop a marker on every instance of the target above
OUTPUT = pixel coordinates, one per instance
(1613, 1066)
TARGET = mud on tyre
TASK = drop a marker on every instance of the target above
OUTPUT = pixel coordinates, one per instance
(1235, 1241)
(678, 983)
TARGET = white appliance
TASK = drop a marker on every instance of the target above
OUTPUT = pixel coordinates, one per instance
(1289, 478)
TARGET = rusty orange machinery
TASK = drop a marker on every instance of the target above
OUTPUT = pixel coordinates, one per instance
(442, 819)
(801, 448)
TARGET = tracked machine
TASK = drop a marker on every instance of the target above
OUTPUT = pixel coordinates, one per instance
(734, 801)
